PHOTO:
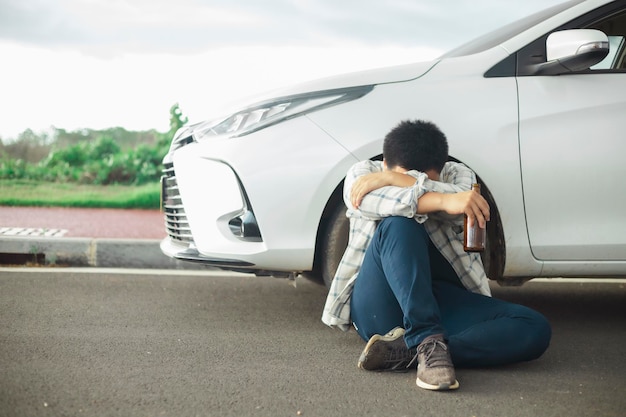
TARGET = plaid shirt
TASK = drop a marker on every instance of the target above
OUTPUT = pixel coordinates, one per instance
(445, 231)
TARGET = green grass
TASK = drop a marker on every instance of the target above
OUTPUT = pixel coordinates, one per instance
(52, 194)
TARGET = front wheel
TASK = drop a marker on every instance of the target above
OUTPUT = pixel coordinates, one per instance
(333, 243)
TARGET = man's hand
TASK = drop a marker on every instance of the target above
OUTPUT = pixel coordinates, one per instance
(370, 182)
(469, 203)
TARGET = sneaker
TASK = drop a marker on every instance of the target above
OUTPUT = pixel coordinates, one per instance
(387, 353)
(435, 370)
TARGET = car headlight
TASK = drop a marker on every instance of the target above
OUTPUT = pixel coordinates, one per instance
(182, 137)
(270, 112)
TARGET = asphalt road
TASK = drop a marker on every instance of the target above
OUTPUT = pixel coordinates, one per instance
(124, 343)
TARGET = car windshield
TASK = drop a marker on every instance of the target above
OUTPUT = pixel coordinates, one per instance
(504, 33)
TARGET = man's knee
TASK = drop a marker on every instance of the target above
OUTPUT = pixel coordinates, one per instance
(538, 333)
(543, 334)
(399, 237)
(400, 225)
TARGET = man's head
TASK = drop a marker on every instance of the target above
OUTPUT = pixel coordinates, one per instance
(415, 145)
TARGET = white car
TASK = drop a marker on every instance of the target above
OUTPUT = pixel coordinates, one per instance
(537, 109)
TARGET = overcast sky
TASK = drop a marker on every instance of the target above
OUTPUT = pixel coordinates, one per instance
(102, 63)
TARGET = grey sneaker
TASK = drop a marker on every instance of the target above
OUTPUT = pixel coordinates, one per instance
(435, 370)
(387, 353)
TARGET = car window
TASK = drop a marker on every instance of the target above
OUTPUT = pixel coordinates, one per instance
(615, 28)
(615, 58)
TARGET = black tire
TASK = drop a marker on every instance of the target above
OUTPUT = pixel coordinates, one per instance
(334, 241)
(493, 256)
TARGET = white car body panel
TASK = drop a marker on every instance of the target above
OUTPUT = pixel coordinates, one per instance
(585, 198)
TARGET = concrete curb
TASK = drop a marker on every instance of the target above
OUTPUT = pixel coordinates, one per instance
(89, 252)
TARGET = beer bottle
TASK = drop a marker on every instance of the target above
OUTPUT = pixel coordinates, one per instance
(475, 237)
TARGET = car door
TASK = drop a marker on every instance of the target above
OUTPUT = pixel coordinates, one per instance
(572, 139)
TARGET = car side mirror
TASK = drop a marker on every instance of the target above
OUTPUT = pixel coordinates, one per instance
(573, 50)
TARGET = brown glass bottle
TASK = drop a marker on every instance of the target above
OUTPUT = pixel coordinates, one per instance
(474, 240)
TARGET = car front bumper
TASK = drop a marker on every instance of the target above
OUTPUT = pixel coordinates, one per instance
(225, 207)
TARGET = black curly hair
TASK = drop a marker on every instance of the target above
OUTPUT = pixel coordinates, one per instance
(416, 145)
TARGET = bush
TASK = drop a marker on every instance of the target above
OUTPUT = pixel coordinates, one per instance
(104, 148)
(101, 163)
(89, 159)
(12, 168)
(74, 156)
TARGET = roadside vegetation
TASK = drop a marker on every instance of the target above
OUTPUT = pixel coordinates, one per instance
(58, 194)
(88, 168)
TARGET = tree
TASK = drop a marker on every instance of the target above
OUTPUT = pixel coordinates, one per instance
(29, 147)
(177, 120)
(104, 147)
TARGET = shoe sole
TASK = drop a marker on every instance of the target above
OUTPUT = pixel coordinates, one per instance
(440, 387)
(389, 337)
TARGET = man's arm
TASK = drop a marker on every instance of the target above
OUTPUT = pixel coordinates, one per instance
(376, 193)
(469, 203)
(376, 180)
(454, 178)
(452, 195)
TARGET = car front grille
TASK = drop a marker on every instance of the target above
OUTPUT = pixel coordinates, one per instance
(176, 223)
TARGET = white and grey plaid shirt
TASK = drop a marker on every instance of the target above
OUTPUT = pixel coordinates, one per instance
(445, 231)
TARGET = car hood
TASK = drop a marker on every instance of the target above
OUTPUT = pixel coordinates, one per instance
(384, 75)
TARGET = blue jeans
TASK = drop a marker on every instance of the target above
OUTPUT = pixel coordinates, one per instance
(404, 281)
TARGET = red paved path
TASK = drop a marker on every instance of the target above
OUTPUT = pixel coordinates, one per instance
(93, 223)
